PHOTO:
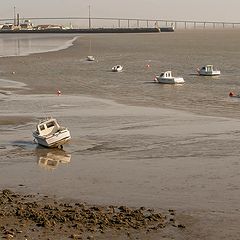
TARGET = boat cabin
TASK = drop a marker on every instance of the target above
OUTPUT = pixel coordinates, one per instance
(90, 58)
(167, 74)
(207, 68)
(48, 127)
(117, 68)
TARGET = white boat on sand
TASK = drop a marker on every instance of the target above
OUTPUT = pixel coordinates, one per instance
(117, 68)
(208, 70)
(166, 77)
(50, 134)
(90, 58)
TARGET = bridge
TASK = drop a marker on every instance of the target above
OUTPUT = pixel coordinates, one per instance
(96, 22)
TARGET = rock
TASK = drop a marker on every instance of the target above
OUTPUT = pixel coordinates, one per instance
(76, 236)
(90, 237)
(9, 236)
(6, 192)
(181, 226)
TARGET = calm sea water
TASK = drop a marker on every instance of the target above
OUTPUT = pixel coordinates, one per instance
(24, 44)
(182, 52)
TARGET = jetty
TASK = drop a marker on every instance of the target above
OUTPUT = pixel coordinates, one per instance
(79, 30)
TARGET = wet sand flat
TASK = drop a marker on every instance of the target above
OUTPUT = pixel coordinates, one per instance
(134, 149)
(135, 156)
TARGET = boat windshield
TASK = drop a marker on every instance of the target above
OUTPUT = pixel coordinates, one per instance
(209, 68)
(50, 124)
(162, 74)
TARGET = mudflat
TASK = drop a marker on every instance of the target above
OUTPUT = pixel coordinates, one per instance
(129, 147)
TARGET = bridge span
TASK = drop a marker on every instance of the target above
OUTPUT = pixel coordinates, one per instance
(96, 22)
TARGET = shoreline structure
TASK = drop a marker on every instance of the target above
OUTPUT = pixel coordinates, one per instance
(92, 30)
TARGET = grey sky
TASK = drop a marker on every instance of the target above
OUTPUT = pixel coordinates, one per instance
(212, 10)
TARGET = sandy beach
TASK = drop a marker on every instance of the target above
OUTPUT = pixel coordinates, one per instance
(129, 148)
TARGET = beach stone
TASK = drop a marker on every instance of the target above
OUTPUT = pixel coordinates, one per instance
(90, 237)
(83, 218)
(9, 236)
(76, 236)
(181, 226)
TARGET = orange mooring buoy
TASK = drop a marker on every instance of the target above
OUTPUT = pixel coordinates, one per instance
(59, 92)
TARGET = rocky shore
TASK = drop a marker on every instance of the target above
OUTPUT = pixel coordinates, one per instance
(41, 217)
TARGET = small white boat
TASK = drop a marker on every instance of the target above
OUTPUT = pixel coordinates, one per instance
(166, 77)
(208, 70)
(117, 68)
(90, 58)
(50, 134)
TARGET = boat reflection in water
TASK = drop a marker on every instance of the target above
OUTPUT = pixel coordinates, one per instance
(51, 158)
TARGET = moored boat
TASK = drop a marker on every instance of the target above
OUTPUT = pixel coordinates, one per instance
(50, 134)
(90, 58)
(208, 70)
(117, 68)
(166, 77)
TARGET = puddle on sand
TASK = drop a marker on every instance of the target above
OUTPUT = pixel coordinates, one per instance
(49, 159)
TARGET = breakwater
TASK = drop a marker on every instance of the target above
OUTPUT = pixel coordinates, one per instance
(91, 30)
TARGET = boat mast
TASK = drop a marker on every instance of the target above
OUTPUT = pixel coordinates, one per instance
(89, 17)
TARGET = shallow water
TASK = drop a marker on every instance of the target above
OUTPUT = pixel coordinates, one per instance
(25, 44)
(140, 152)
(182, 52)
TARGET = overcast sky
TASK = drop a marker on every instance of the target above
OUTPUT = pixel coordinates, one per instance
(211, 10)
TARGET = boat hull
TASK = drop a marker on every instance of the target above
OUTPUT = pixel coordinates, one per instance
(54, 140)
(176, 80)
(214, 73)
(117, 68)
(90, 58)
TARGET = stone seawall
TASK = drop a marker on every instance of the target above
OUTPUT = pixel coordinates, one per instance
(93, 30)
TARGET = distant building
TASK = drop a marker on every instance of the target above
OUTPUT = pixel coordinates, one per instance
(7, 26)
(48, 26)
(26, 25)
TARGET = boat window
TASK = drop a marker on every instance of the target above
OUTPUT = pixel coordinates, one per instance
(50, 124)
(42, 127)
(161, 74)
(209, 68)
